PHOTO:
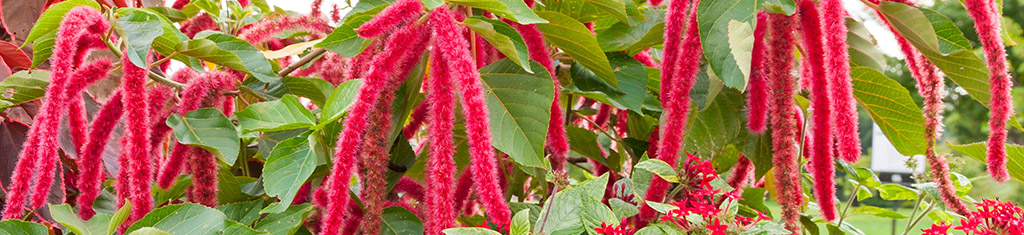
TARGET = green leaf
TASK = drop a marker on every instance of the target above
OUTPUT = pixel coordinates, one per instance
(470, 231)
(140, 28)
(877, 212)
(576, 210)
(503, 37)
(863, 193)
(616, 8)
(787, 7)
(897, 192)
(287, 168)
(521, 223)
(167, 43)
(754, 198)
(576, 40)
(149, 231)
(623, 36)
(231, 52)
(234, 228)
(339, 102)
(207, 128)
(182, 219)
(741, 45)
(584, 142)
(660, 168)
(172, 14)
(229, 186)
(13, 226)
(23, 86)
(862, 49)
(1014, 157)
(193, 7)
(343, 40)
(712, 132)
(622, 208)
(514, 10)
(51, 18)
(284, 114)
(398, 220)
(42, 49)
(67, 217)
(520, 106)
(286, 222)
(632, 77)
(892, 108)
(961, 65)
(242, 212)
(759, 151)
(119, 217)
(713, 19)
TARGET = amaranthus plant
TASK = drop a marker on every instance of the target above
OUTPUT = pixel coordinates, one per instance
(507, 117)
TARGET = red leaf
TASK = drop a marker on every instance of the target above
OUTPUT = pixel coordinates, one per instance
(14, 57)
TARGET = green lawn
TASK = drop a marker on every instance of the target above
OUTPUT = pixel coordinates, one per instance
(870, 225)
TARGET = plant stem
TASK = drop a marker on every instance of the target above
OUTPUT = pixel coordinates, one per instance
(302, 61)
(848, 203)
(165, 59)
(919, 217)
(917, 206)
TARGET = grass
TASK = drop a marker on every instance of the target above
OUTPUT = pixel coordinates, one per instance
(870, 225)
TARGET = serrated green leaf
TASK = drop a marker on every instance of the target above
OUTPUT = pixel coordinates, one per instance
(576, 210)
(741, 45)
(23, 86)
(207, 128)
(712, 132)
(67, 217)
(13, 226)
(892, 108)
(713, 19)
(140, 28)
(343, 40)
(622, 208)
(242, 212)
(862, 49)
(339, 102)
(286, 222)
(576, 40)
(521, 223)
(182, 219)
(167, 43)
(284, 114)
(470, 231)
(234, 228)
(503, 37)
(51, 18)
(660, 168)
(623, 36)
(42, 48)
(287, 168)
(397, 220)
(519, 105)
(231, 52)
(1014, 156)
(514, 10)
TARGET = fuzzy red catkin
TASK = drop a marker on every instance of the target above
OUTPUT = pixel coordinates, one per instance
(135, 147)
(158, 112)
(742, 173)
(622, 122)
(203, 166)
(263, 31)
(456, 54)
(644, 57)
(931, 89)
(197, 24)
(172, 166)
(821, 164)
(90, 161)
(757, 99)
(355, 124)
(375, 146)
(84, 76)
(785, 130)
(676, 17)
(179, 4)
(42, 135)
(837, 70)
(393, 15)
(462, 189)
(409, 188)
(196, 91)
(987, 23)
(677, 101)
(416, 120)
(358, 66)
(440, 204)
(557, 140)
(603, 114)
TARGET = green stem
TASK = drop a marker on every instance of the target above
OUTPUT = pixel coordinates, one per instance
(848, 203)
(919, 218)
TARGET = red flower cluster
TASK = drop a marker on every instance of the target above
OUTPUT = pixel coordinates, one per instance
(611, 229)
(991, 217)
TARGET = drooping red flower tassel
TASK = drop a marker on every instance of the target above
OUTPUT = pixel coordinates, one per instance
(459, 61)
(757, 99)
(197, 24)
(416, 120)
(685, 63)
(355, 124)
(441, 169)
(557, 140)
(90, 161)
(196, 92)
(84, 76)
(462, 190)
(987, 23)
(742, 173)
(136, 168)
(931, 87)
(821, 164)
(644, 57)
(409, 188)
(785, 130)
(837, 68)
(203, 166)
(38, 155)
(397, 13)
(264, 30)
